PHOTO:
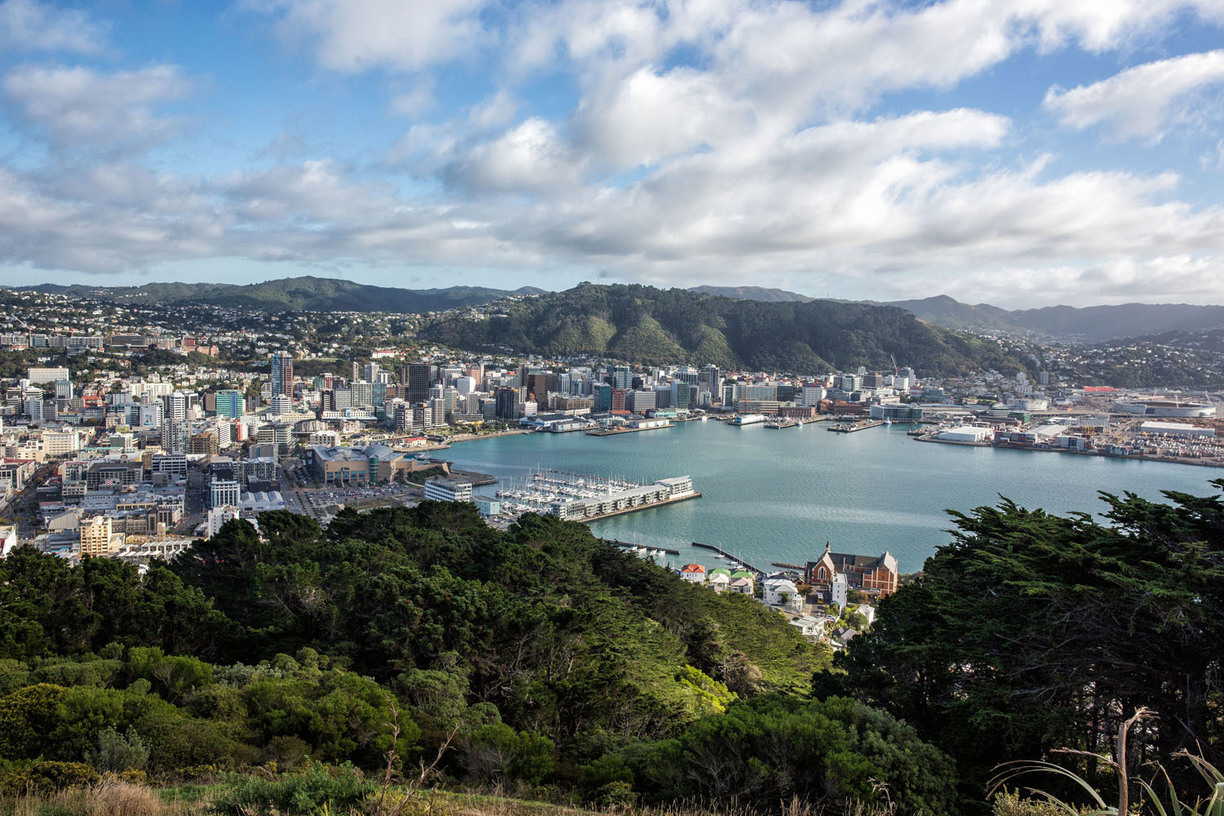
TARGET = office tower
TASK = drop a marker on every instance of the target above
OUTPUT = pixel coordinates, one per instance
(229, 403)
(416, 377)
(282, 374)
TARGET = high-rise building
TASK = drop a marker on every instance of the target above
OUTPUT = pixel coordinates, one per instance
(417, 377)
(282, 374)
(506, 399)
(229, 403)
(176, 407)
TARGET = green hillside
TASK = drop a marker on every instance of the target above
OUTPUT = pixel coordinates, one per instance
(294, 294)
(538, 655)
(658, 326)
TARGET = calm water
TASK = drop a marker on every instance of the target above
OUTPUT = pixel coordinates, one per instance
(778, 495)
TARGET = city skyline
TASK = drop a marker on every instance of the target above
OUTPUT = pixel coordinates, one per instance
(1021, 153)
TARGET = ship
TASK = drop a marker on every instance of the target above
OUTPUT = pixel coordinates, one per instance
(748, 419)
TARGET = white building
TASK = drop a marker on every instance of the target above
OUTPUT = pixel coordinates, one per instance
(217, 516)
(448, 490)
(223, 493)
(61, 443)
(1175, 429)
(967, 433)
(781, 592)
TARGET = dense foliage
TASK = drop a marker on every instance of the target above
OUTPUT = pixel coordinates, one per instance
(541, 656)
(651, 325)
(1032, 632)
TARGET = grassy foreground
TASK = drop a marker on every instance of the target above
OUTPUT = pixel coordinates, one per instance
(121, 798)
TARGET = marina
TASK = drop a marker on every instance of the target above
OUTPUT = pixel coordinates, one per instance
(583, 497)
(733, 561)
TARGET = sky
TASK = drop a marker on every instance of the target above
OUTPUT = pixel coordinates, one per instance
(1022, 153)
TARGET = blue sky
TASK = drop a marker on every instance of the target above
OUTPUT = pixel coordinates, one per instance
(1016, 152)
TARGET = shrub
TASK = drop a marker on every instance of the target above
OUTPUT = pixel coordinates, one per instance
(314, 788)
(42, 777)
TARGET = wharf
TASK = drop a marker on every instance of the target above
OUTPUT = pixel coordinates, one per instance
(785, 565)
(617, 431)
(625, 545)
(726, 554)
(778, 424)
(862, 425)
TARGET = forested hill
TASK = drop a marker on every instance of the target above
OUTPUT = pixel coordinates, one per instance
(293, 294)
(641, 323)
(538, 655)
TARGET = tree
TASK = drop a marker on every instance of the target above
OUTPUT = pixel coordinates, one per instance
(1030, 632)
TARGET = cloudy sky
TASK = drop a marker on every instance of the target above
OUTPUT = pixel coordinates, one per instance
(1015, 152)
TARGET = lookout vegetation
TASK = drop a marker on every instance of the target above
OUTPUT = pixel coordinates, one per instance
(403, 656)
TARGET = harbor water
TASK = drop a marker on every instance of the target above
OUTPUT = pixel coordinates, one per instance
(778, 495)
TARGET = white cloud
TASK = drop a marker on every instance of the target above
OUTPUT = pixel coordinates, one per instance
(361, 35)
(80, 107)
(1140, 101)
(529, 158)
(27, 25)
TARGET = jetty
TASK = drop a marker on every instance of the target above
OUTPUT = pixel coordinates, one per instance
(729, 556)
(626, 545)
(851, 427)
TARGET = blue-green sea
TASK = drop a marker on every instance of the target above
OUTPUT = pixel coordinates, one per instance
(779, 495)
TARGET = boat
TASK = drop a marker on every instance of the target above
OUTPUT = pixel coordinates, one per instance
(887, 421)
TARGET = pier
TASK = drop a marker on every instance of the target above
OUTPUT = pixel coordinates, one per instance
(625, 545)
(861, 425)
(729, 556)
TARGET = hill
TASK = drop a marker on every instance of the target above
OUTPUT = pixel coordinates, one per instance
(293, 295)
(752, 293)
(1090, 324)
(657, 326)
(536, 655)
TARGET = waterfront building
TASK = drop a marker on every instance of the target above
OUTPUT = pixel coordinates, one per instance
(370, 465)
(875, 574)
(974, 434)
(448, 490)
(1165, 408)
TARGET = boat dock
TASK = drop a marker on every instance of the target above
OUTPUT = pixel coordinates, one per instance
(729, 556)
(579, 497)
(624, 430)
(625, 545)
(851, 427)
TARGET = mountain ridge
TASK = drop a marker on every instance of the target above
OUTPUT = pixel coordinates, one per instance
(657, 326)
(304, 293)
